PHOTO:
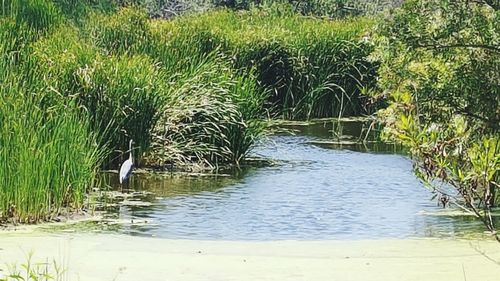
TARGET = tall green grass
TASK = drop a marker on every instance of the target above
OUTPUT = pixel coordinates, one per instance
(210, 118)
(48, 152)
(125, 32)
(120, 94)
(78, 79)
(312, 67)
(49, 157)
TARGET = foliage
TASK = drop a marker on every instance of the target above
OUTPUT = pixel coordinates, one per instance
(322, 8)
(35, 271)
(48, 152)
(209, 120)
(48, 157)
(440, 70)
(342, 8)
(190, 90)
(125, 31)
(312, 67)
(121, 95)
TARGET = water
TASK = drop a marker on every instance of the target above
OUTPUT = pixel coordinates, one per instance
(313, 193)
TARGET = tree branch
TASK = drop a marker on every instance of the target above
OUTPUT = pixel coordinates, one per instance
(479, 46)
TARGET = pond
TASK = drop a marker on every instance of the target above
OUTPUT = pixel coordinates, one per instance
(313, 192)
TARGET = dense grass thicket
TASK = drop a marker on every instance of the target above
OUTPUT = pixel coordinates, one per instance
(316, 8)
(48, 152)
(312, 67)
(78, 79)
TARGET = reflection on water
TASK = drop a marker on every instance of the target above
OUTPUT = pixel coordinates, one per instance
(351, 135)
(316, 193)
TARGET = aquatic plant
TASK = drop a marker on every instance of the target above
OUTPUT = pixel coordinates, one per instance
(49, 157)
(119, 94)
(190, 90)
(35, 271)
(48, 153)
(211, 119)
(312, 67)
(123, 32)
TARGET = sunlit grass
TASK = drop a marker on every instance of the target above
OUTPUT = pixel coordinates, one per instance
(312, 67)
(49, 158)
(77, 84)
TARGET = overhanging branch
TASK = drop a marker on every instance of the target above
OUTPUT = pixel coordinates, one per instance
(479, 46)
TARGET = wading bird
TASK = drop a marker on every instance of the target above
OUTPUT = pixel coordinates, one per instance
(126, 167)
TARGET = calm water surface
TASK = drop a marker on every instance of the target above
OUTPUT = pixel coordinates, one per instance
(314, 192)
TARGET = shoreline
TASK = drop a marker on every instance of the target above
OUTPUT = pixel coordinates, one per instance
(89, 257)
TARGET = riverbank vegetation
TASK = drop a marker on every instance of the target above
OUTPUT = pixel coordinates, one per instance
(192, 81)
(440, 72)
(78, 80)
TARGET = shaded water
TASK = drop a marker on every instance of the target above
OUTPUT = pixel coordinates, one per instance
(313, 193)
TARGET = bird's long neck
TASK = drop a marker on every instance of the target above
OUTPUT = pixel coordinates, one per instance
(130, 149)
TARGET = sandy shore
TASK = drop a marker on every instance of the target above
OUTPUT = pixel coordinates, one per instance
(88, 257)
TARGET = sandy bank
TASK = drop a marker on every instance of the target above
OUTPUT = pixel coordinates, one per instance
(114, 257)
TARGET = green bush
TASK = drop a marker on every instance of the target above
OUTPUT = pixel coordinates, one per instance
(440, 71)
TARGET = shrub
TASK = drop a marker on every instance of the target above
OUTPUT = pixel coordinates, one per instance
(439, 69)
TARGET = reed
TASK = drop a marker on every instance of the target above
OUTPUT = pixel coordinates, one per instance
(49, 154)
(121, 95)
(118, 93)
(312, 67)
(48, 157)
(211, 118)
(124, 32)
(189, 90)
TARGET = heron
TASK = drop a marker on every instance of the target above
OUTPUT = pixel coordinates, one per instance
(126, 167)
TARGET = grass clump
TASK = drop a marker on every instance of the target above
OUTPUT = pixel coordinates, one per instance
(121, 95)
(57, 59)
(210, 119)
(48, 158)
(312, 67)
(48, 151)
(124, 32)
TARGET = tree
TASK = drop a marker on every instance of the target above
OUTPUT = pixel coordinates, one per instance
(440, 70)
